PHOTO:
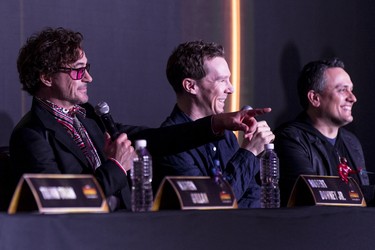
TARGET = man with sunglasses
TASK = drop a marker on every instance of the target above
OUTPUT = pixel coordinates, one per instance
(61, 134)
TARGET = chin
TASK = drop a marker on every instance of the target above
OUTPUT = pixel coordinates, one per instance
(346, 122)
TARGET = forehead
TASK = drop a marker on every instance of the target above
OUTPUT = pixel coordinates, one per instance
(337, 77)
(216, 66)
(81, 61)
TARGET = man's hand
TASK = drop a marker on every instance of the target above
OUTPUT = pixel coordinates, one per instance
(120, 150)
(254, 142)
(241, 120)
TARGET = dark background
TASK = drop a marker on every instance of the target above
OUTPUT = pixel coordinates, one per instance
(128, 42)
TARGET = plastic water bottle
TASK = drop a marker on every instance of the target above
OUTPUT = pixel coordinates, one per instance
(141, 178)
(269, 175)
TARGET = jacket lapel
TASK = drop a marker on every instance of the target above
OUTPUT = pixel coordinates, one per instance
(59, 132)
(96, 135)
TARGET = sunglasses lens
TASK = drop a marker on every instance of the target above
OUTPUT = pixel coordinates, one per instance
(76, 74)
(80, 73)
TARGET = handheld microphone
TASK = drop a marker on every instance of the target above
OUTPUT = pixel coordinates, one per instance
(102, 110)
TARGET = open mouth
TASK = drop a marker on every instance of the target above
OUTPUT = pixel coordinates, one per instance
(347, 108)
(222, 100)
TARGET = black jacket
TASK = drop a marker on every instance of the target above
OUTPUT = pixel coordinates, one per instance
(304, 150)
(239, 166)
(39, 144)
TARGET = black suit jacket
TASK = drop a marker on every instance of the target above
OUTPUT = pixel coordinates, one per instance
(39, 144)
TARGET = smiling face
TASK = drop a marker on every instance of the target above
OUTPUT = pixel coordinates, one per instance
(337, 98)
(66, 92)
(214, 88)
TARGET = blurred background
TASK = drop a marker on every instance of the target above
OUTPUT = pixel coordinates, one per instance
(128, 43)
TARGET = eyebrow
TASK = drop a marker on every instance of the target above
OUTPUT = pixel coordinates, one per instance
(344, 85)
(80, 64)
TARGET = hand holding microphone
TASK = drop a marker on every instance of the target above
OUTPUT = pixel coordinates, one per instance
(255, 140)
(102, 110)
(118, 147)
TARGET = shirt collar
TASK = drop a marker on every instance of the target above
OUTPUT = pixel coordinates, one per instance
(58, 111)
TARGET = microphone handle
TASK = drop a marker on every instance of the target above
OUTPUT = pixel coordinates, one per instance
(110, 126)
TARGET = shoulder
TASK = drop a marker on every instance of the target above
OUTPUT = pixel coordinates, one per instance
(176, 117)
(290, 129)
(30, 121)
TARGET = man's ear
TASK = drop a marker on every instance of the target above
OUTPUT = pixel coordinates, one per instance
(314, 98)
(190, 85)
(46, 80)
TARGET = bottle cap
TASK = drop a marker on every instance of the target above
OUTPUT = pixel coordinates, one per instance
(269, 146)
(140, 144)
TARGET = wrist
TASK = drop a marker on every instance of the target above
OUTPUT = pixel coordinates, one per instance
(215, 126)
(118, 164)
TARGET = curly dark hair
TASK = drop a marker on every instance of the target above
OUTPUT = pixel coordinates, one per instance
(312, 78)
(186, 61)
(44, 53)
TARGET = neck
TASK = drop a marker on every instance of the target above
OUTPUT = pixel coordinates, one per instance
(190, 108)
(326, 128)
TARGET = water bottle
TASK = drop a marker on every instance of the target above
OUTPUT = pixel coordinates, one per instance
(269, 175)
(141, 178)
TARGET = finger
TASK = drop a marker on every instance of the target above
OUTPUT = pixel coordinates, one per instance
(262, 123)
(107, 138)
(122, 137)
(256, 112)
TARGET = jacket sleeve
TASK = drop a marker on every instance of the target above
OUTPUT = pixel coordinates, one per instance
(241, 172)
(37, 151)
(174, 139)
(166, 140)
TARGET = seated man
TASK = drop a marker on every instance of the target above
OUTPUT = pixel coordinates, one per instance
(200, 76)
(61, 134)
(316, 143)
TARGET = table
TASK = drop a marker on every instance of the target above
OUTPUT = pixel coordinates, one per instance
(284, 228)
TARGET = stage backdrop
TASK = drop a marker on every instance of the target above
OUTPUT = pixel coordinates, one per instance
(128, 43)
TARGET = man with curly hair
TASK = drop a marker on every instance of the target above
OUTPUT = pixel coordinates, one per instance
(61, 134)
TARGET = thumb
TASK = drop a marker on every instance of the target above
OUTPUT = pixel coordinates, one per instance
(107, 139)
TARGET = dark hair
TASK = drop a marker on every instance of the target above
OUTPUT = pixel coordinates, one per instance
(312, 78)
(186, 61)
(45, 53)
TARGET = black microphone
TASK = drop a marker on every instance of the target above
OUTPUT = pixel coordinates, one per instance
(102, 110)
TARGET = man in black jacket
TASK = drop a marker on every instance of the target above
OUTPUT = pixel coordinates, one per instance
(61, 134)
(200, 77)
(315, 143)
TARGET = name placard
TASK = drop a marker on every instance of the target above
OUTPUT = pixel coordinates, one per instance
(194, 192)
(326, 191)
(58, 193)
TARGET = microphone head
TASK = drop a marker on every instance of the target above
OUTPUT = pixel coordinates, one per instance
(247, 107)
(101, 108)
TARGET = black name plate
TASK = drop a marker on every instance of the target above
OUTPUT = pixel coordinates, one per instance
(194, 193)
(326, 191)
(58, 193)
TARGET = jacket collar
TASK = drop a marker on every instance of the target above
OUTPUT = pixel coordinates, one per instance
(59, 132)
